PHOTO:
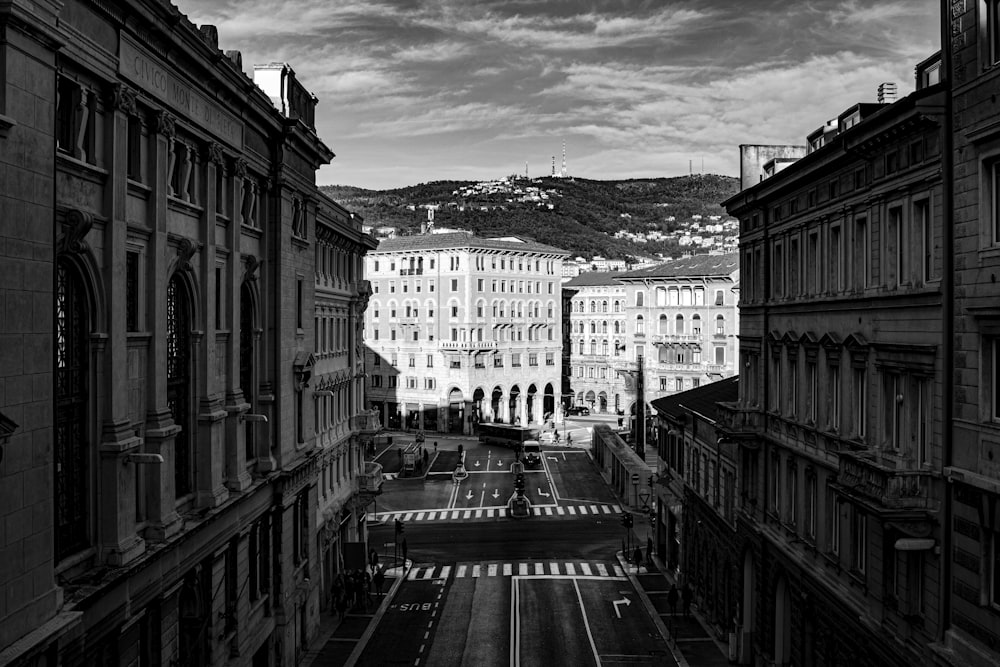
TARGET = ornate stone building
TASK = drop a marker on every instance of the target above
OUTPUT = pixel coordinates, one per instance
(680, 316)
(463, 329)
(972, 455)
(161, 226)
(839, 419)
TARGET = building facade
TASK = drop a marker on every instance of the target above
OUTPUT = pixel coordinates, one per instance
(972, 461)
(696, 491)
(839, 418)
(463, 329)
(161, 467)
(680, 317)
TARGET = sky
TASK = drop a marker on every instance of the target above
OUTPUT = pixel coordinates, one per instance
(413, 91)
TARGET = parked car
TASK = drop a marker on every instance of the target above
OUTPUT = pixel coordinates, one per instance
(581, 410)
(532, 453)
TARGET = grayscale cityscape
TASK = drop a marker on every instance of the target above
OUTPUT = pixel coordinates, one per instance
(613, 333)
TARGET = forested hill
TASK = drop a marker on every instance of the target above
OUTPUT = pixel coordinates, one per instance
(575, 214)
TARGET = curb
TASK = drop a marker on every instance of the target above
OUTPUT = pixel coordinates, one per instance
(651, 610)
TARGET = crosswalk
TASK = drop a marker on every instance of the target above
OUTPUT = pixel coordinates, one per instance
(517, 569)
(589, 509)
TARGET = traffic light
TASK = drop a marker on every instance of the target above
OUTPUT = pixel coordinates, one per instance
(627, 520)
(399, 527)
(519, 484)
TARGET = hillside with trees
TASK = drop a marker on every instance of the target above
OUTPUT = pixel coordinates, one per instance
(575, 214)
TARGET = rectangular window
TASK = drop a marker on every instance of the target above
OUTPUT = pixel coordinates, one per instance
(922, 223)
(454, 284)
(893, 400)
(812, 390)
(860, 402)
(515, 360)
(810, 510)
(834, 397)
(532, 359)
(859, 541)
(134, 154)
(833, 519)
(299, 303)
(219, 292)
(550, 359)
(131, 291)
(992, 32)
(498, 361)
(430, 361)
(898, 238)
(836, 260)
(793, 495)
(393, 381)
(862, 254)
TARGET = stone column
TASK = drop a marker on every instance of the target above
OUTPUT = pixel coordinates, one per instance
(119, 540)
(209, 454)
(160, 428)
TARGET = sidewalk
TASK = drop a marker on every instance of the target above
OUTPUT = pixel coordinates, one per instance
(690, 635)
(340, 641)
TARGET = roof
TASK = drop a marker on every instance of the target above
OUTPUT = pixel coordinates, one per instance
(700, 399)
(591, 278)
(696, 265)
(464, 240)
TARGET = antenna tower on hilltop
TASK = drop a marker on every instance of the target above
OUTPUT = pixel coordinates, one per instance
(563, 172)
(553, 166)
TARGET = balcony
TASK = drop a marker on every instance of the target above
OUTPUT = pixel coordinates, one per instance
(370, 481)
(467, 345)
(366, 423)
(411, 272)
(738, 419)
(885, 478)
(662, 339)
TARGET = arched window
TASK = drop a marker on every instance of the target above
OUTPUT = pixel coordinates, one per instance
(720, 325)
(593, 306)
(640, 325)
(582, 348)
(696, 324)
(72, 449)
(664, 354)
(618, 306)
(662, 325)
(593, 327)
(604, 327)
(618, 347)
(604, 306)
(661, 297)
(604, 347)
(639, 296)
(679, 325)
(617, 327)
(179, 381)
(593, 347)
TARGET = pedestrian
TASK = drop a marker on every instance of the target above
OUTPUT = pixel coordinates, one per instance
(557, 437)
(368, 588)
(569, 439)
(435, 447)
(373, 559)
(672, 598)
(342, 604)
(686, 596)
(426, 456)
(379, 580)
(649, 552)
(637, 557)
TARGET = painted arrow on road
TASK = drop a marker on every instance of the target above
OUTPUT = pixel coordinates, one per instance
(624, 601)
(496, 493)
(543, 494)
(477, 464)
(469, 497)
(554, 458)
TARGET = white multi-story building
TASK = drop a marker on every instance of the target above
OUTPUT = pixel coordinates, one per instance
(680, 316)
(463, 329)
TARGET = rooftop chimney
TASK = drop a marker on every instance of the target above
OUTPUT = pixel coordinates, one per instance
(887, 92)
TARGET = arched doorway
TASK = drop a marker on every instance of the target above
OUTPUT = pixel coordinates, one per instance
(514, 405)
(477, 406)
(247, 365)
(549, 401)
(179, 380)
(72, 389)
(530, 404)
(496, 401)
(456, 411)
(590, 399)
(782, 623)
(602, 401)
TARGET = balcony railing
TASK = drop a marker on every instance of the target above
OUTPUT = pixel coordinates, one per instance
(411, 272)
(737, 418)
(468, 345)
(676, 338)
(370, 481)
(366, 422)
(886, 478)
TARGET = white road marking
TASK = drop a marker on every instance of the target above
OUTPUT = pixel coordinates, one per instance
(413, 573)
(548, 511)
(460, 573)
(586, 623)
(553, 568)
(489, 514)
(475, 571)
(522, 569)
(429, 574)
(507, 569)
(585, 568)
(445, 571)
(560, 511)
(479, 514)
(454, 515)
(430, 516)
(583, 510)
(617, 509)
(593, 509)
(539, 568)
(607, 510)
(409, 515)
(491, 570)
(419, 517)
(572, 510)
(618, 571)
(570, 569)
(468, 514)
